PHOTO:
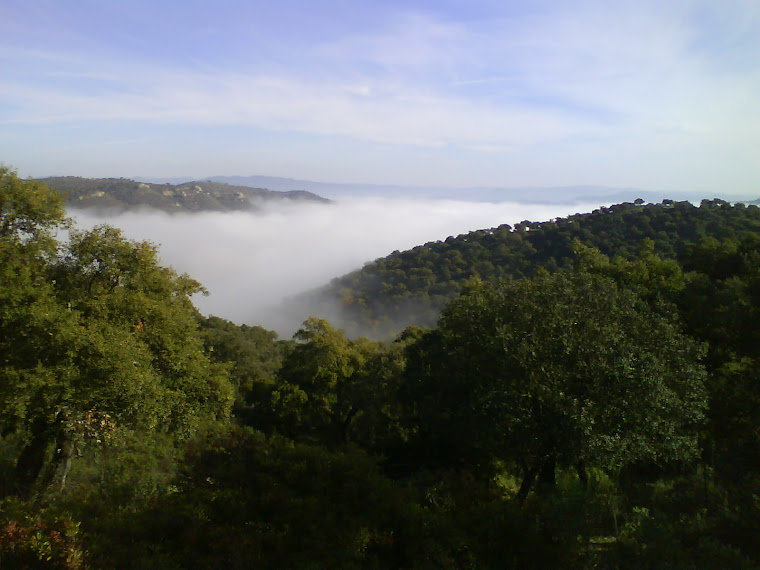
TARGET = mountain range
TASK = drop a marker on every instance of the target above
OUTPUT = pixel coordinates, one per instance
(524, 194)
(123, 194)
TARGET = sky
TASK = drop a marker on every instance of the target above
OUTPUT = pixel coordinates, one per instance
(648, 94)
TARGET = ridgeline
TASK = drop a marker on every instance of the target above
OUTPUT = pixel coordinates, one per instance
(122, 194)
(412, 286)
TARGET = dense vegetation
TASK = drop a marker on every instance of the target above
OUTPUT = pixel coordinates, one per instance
(411, 287)
(600, 415)
(120, 194)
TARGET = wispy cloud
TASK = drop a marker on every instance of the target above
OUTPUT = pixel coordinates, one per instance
(610, 84)
(412, 40)
(398, 114)
(84, 75)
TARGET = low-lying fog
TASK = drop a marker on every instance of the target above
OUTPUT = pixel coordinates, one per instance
(252, 262)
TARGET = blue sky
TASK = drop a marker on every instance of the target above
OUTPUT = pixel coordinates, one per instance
(657, 95)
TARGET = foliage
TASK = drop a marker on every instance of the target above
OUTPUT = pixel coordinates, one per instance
(244, 500)
(322, 384)
(411, 287)
(38, 541)
(588, 376)
(247, 501)
(93, 329)
(561, 368)
(713, 294)
(255, 355)
(651, 540)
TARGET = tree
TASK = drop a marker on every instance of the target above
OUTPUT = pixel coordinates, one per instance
(30, 317)
(322, 383)
(255, 355)
(658, 281)
(721, 306)
(563, 369)
(94, 334)
(29, 212)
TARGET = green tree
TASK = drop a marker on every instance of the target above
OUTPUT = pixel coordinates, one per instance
(255, 355)
(562, 369)
(721, 306)
(654, 279)
(94, 334)
(322, 385)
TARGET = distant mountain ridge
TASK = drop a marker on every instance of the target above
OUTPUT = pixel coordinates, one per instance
(538, 195)
(571, 194)
(122, 194)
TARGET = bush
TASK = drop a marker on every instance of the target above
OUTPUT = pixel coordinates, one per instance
(38, 541)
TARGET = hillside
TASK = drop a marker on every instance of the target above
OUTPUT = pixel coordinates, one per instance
(604, 417)
(411, 287)
(122, 194)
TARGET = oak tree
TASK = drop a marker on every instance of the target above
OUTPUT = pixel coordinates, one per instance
(563, 369)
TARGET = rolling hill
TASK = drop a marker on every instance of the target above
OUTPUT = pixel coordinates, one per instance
(411, 287)
(122, 194)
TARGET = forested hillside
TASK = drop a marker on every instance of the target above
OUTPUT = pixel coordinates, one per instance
(603, 415)
(119, 194)
(411, 287)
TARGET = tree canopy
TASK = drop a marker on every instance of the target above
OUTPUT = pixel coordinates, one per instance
(578, 407)
(94, 334)
(411, 287)
(563, 368)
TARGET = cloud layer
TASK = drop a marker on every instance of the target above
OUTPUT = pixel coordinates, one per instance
(251, 263)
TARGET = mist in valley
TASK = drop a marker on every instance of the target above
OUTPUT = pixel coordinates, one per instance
(254, 263)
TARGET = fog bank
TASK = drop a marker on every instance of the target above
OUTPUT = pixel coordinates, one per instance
(252, 261)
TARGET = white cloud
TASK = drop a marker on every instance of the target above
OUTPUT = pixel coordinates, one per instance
(252, 262)
(403, 115)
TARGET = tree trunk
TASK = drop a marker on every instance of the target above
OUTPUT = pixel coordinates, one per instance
(547, 477)
(60, 464)
(545, 469)
(346, 425)
(527, 482)
(31, 460)
(580, 468)
(30, 475)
